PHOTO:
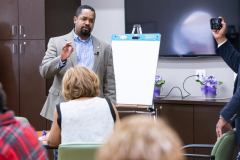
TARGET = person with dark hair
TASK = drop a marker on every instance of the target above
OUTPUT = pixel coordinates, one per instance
(229, 115)
(78, 47)
(18, 140)
(79, 10)
(3, 108)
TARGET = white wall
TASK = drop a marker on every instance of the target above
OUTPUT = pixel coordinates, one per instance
(110, 20)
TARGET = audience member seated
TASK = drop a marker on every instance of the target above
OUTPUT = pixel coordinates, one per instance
(138, 137)
(85, 117)
(18, 140)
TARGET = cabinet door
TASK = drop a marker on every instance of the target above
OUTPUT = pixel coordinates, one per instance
(9, 73)
(9, 19)
(205, 120)
(180, 118)
(32, 85)
(31, 19)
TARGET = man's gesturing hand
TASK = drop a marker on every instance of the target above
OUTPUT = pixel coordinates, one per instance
(66, 52)
(220, 125)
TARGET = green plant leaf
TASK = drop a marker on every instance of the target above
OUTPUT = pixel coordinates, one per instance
(159, 83)
(199, 81)
(220, 82)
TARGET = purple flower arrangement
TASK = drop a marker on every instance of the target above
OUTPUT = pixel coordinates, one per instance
(158, 83)
(209, 84)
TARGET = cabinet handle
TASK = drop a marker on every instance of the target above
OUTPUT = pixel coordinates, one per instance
(14, 30)
(21, 30)
(14, 48)
(22, 48)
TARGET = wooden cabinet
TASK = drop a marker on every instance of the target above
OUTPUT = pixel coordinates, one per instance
(32, 85)
(9, 19)
(31, 19)
(176, 115)
(180, 118)
(24, 87)
(193, 118)
(24, 33)
(9, 72)
(22, 19)
(205, 120)
(22, 44)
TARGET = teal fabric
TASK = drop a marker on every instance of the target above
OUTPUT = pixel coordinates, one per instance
(225, 147)
(22, 118)
(76, 151)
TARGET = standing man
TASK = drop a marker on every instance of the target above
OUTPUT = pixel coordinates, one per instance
(229, 115)
(78, 47)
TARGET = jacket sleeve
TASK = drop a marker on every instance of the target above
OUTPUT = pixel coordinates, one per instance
(232, 57)
(232, 109)
(109, 88)
(50, 63)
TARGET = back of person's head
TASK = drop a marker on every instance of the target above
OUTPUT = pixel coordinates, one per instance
(139, 138)
(80, 8)
(2, 100)
(80, 81)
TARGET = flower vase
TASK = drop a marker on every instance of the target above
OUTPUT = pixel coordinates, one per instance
(157, 90)
(208, 91)
(210, 95)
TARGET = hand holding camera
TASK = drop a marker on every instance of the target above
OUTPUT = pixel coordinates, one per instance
(218, 27)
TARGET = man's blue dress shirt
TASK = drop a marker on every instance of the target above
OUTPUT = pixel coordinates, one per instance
(84, 50)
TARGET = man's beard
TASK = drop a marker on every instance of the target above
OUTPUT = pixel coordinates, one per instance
(85, 33)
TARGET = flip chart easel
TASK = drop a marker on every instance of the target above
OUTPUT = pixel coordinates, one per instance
(135, 58)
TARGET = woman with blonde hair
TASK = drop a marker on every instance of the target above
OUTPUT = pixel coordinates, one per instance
(85, 117)
(139, 138)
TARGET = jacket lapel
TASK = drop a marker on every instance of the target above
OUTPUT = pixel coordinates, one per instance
(73, 57)
(97, 53)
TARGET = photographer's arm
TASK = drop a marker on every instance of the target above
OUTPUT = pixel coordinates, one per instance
(230, 55)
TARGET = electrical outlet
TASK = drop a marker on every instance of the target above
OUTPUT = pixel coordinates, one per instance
(201, 73)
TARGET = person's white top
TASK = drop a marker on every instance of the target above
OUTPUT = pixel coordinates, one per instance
(86, 121)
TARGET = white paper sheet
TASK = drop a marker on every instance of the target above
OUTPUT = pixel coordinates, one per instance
(135, 64)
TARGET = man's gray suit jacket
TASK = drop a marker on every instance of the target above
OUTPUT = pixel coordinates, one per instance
(103, 67)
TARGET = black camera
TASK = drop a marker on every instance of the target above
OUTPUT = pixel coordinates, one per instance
(216, 23)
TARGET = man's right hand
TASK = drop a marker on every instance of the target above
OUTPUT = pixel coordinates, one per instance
(219, 35)
(66, 52)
